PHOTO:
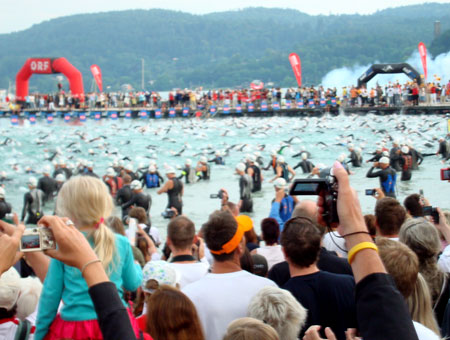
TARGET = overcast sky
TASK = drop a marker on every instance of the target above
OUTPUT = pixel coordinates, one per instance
(16, 15)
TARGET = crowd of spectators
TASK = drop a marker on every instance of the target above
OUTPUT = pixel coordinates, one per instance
(221, 280)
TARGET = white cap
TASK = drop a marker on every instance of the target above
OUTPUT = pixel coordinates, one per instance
(47, 169)
(341, 157)
(251, 158)
(257, 153)
(135, 185)
(61, 161)
(188, 162)
(280, 159)
(405, 149)
(151, 168)
(217, 153)
(379, 148)
(279, 183)
(152, 162)
(240, 167)
(384, 160)
(203, 159)
(129, 167)
(9, 289)
(3, 174)
(110, 172)
(60, 178)
(304, 155)
(32, 181)
(170, 170)
(2, 192)
(121, 162)
(273, 153)
(89, 164)
(351, 146)
(385, 153)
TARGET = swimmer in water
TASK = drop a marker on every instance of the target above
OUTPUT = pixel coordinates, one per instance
(174, 189)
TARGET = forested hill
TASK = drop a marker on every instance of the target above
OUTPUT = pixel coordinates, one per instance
(218, 50)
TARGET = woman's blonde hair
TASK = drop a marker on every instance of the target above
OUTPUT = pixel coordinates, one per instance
(86, 201)
(419, 305)
(250, 329)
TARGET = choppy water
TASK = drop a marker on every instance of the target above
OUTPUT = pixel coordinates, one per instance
(33, 143)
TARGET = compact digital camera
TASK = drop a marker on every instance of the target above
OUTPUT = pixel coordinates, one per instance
(168, 213)
(218, 195)
(445, 174)
(370, 192)
(325, 187)
(430, 211)
(37, 239)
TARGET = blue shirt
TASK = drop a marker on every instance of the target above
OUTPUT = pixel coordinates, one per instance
(275, 213)
(67, 283)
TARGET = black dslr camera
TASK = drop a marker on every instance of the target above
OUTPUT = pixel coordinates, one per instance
(218, 195)
(325, 187)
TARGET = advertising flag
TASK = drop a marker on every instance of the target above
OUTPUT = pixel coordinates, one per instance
(97, 73)
(296, 67)
(423, 57)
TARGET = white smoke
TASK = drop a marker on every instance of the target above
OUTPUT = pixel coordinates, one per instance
(438, 67)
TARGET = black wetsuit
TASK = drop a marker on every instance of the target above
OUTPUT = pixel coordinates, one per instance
(48, 185)
(218, 160)
(32, 206)
(443, 149)
(306, 166)
(308, 154)
(417, 158)
(256, 178)
(124, 195)
(205, 174)
(388, 179)
(132, 175)
(5, 208)
(174, 196)
(245, 193)
(63, 171)
(406, 164)
(188, 173)
(273, 164)
(285, 172)
(139, 199)
(355, 159)
(395, 159)
(376, 157)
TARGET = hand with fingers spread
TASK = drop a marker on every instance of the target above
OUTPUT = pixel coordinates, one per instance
(313, 334)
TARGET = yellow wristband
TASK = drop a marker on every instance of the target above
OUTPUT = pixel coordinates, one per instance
(360, 246)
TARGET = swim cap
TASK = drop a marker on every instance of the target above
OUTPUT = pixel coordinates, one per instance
(240, 167)
(60, 178)
(203, 159)
(170, 170)
(280, 159)
(217, 153)
(251, 158)
(135, 185)
(384, 160)
(151, 168)
(152, 162)
(279, 183)
(32, 181)
(304, 155)
(47, 169)
(188, 162)
(110, 172)
(129, 167)
(2, 193)
(341, 157)
(385, 153)
(351, 146)
(405, 149)
(257, 153)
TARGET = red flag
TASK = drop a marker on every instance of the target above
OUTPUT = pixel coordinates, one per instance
(296, 67)
(423, 56)
(97, 73)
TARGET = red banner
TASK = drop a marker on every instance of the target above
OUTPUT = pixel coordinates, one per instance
(97, 73)
(296, 67)
(423, 56)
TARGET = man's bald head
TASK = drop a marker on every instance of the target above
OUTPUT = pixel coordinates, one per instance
(306, 208)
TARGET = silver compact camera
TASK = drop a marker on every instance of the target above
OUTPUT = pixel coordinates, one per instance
(37, 239)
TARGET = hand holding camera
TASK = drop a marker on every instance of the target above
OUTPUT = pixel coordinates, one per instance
(9, 243)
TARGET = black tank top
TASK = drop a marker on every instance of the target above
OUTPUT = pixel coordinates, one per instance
(175, 193)
(256, 178)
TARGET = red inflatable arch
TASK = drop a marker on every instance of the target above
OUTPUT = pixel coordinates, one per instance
(48, 66)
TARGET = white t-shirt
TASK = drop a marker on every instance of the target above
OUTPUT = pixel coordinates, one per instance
(333, 241)
(190, 272)
(222, 298)
(424, 333)
(273, 254)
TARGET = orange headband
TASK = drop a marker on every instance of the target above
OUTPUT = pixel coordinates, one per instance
(244, 224)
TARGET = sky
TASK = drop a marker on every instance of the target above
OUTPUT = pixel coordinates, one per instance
(17, 15)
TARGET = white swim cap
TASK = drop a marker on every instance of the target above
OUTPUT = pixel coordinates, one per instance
(304, 156)
(203, 159)
(32, 181)
(405, 149)
(341, 157)
(135, 185)
(47, 169)
(170, 170)
(279, 183)
(2, 193)
(188, 162)
(151, 168)
(60, 178)
(280, 159)
(384, 160)
(129, 167)
(240, 167)
(110, 172)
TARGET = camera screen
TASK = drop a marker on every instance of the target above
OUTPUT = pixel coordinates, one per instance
(30, 241)
(446, 174)
(307, 188)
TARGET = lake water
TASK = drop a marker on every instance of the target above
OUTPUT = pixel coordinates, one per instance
(33, 143)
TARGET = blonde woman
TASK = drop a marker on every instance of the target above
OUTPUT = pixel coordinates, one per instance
(86, 202)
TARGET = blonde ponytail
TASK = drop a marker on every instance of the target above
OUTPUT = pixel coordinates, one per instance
(86, 201)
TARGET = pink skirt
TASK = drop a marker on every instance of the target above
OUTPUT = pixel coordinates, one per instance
(81, 330)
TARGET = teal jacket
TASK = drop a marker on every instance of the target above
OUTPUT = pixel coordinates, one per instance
(66, 283)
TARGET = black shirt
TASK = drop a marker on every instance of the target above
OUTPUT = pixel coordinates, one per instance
(329, 299)
(48, 186)
(139, 200)
(5, 208)
(328, 261)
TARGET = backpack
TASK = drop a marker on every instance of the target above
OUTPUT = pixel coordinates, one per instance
(23, 330)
